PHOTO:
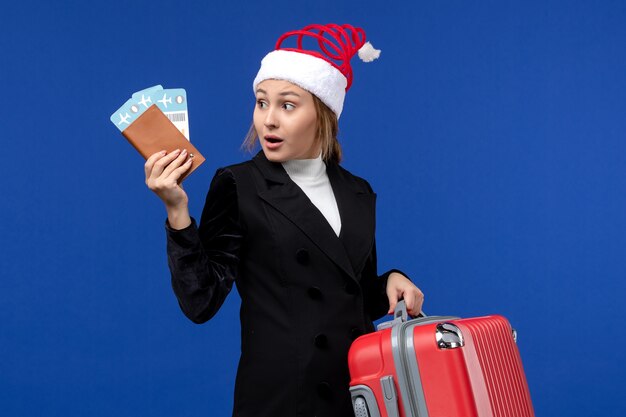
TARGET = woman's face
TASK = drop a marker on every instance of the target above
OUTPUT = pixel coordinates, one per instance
(285, 119)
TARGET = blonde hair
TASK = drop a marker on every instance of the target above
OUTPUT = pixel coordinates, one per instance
(326, 133)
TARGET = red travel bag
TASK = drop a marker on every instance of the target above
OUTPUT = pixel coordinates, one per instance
(439, 366)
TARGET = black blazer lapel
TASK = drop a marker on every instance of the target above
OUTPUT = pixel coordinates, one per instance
(357, 206)
(286, 197)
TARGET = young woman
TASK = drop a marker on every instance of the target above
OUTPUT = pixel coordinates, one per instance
(295, 232)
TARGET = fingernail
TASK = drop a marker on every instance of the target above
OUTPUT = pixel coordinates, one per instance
(183, 152)
(163, 152)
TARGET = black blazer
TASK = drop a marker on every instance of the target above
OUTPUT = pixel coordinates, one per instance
(306, 293)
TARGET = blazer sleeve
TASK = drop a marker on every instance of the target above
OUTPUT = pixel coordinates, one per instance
(375, 286)
(203, 260)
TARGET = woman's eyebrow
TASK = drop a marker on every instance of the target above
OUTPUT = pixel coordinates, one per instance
(284, 93)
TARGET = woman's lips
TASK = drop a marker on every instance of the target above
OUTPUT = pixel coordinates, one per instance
(273, 143)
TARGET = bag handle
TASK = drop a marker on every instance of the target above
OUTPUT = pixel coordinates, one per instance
(400, 315)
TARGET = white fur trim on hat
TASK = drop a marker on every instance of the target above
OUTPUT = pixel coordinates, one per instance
(315, 75)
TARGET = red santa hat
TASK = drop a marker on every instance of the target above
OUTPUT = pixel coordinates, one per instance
(326, 73)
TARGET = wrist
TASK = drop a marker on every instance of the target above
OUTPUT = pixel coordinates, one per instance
(178, 216)
(394, 275)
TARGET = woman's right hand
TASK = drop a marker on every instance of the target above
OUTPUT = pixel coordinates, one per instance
(162, 173)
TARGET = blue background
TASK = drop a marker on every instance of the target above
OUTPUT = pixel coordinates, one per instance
(492, 132)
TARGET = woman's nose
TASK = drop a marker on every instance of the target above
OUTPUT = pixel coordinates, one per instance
(270, 119)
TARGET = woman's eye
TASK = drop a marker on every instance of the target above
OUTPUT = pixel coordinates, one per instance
(261, 104)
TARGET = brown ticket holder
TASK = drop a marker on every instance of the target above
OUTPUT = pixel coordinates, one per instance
(153, 132)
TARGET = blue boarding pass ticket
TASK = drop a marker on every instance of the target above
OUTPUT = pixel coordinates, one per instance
(125, 115)
(172, 102)
(133, 107)
(147, 91)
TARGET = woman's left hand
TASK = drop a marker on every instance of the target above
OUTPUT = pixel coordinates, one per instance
(400, 287)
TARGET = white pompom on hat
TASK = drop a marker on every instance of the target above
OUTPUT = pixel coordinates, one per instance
(317, 72)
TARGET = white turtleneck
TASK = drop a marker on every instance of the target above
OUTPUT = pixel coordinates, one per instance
(310, 175)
